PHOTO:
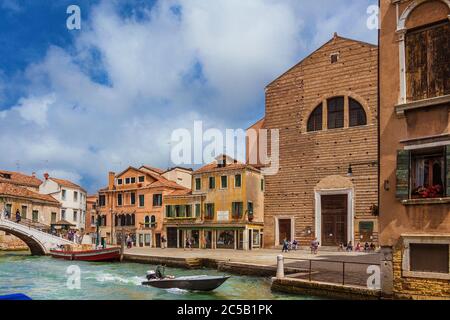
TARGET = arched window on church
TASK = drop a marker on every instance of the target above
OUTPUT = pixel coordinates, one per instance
(315, 119)
(357, 115)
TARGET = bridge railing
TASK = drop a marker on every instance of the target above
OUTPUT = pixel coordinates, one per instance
(31, 224)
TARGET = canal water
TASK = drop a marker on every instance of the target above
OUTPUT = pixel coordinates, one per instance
(45, 278)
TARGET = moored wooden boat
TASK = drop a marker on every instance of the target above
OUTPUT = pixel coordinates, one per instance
(109, 254)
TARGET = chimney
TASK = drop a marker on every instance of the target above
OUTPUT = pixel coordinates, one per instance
(111, 178)
(46, 176)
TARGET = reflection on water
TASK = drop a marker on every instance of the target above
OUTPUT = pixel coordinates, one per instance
(45, 278)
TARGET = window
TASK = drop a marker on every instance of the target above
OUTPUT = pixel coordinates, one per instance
(141, 179)
(35, 216)
(75, 216)
(224, 182)
(170, 211)
(357, 116)
(53, 217)
(63, 194)
(119, 199)
(429, 257)
(334, 58)
(262, 184)
(335, 108)
(423, 173)
(141, 200)
(103, 221)
(315, 119)
(212, 182)
(119, 181)
(237, 210)
(93, 221)
(428, 173)
(75, 196)
(23, 213)
(133, 180)
(102, 200)
(132, 198)
(157, 200)
(237, 181)
(63, 214)
(153, 221)
(225, 239)
(127, 180)
(209, 211)
(198, 184)
(188, 211)
(197, 210)
(8, 209)
(250, 208)
(427, 62)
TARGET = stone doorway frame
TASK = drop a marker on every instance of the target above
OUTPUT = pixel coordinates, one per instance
(277, 227)
(350, 211)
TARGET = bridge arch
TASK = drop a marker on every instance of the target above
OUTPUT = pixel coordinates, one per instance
(36, 247)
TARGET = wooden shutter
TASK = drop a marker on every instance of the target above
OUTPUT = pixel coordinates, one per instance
(428, 62)
(403, 163)
(447, 171)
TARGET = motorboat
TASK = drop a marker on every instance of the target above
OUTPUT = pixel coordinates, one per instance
(192, 283)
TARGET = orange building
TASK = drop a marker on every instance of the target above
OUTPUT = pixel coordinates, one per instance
(132, 204)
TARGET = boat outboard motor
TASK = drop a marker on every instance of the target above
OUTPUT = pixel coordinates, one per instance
(151, 275)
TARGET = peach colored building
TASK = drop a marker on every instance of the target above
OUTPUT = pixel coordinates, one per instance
(415, 148)
(132, 204)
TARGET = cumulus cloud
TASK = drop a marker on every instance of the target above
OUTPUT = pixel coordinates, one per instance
(114, 97)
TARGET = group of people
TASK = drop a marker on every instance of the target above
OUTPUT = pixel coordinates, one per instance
(358, 248)
(314, 246)
(7, 215)
(288, 245)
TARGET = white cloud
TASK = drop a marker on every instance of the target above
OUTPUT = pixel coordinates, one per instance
(34, 109)
(163, 72)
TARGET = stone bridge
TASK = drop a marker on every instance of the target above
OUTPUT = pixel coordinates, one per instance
(38, 241)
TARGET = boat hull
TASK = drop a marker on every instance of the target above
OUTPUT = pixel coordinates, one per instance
(188, 283)
(103, 255)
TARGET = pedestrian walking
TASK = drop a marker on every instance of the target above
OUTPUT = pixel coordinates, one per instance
(314, 246)
(163, 242)
(18, 217)
(285, 245)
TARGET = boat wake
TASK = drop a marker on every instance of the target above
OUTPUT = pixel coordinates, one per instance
(107, 277)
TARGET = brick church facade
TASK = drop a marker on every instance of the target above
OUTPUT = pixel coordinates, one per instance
(325, 108)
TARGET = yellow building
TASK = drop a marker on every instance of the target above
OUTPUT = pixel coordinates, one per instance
(224, 209)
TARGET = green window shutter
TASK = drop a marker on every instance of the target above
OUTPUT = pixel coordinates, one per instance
(447, 172)
(403, 163)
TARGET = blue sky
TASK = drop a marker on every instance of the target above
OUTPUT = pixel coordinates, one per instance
(80, 103)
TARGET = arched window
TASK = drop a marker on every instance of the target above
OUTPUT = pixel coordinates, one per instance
(153, 221)
(335, 108)
(147, 222)
(357, 115)
(315, 119)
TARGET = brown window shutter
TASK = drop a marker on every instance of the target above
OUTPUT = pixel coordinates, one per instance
(447, 171)
(403, 163)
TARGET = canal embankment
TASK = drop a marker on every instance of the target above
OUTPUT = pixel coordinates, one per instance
(303, 273)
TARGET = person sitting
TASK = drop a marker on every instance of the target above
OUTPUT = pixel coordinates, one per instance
(159, 272)
(372, 246)
(341, 247)
(358, 247)
(349, 246)
(294, 245)
(366, 247)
